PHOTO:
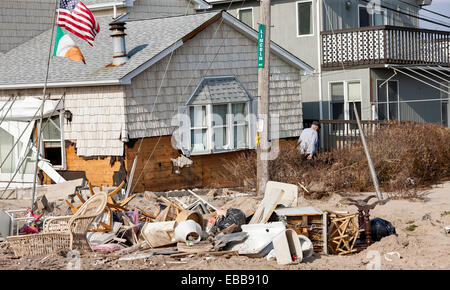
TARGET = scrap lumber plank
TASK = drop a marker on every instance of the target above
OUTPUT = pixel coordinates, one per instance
(267, 206)
(171, 203)
(227, 230)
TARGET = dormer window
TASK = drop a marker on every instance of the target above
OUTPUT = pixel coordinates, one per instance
(221, 117)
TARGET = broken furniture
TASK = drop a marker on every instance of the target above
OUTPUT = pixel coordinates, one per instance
(272, 197)
(11, 221)
(343, 233)
(159, 234)
(290, 196)
(67, 238)
(307, 221)
(111, 206)
(287, 247)
(364, 217)
(259, 240)
(276, 193)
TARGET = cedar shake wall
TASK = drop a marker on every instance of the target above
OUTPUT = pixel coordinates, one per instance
(226, 52)
(98, 123)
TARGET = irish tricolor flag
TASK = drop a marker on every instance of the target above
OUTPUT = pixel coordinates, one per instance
(66, 47)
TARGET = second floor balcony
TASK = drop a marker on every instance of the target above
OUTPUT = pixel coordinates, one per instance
(379, 45)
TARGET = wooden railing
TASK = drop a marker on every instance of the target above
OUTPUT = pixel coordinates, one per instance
(343, 133)
(384, 45)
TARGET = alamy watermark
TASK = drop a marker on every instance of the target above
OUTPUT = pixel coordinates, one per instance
(74, 260)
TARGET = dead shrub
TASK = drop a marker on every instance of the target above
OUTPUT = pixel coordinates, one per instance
(406, 156)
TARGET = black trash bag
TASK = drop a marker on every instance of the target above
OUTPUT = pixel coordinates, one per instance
(233, 216)
(379, 228)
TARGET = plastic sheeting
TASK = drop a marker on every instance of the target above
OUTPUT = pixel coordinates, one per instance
(26, 110)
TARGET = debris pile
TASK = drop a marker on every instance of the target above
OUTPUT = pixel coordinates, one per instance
(183, 223)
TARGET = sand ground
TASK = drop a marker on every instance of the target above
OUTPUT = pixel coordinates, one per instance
(426, 247)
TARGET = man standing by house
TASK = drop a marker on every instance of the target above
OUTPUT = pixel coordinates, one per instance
(309, 140)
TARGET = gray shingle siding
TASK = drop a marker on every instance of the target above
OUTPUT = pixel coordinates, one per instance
(190, 63)
(21, 20)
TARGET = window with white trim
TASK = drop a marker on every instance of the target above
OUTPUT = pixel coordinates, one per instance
(344, 95)
(53, 141)
(387, 100)
(198, 128)
(304, 18)
(337, 100)
(14, 151)
(227, 130)
(354, 98)
(219, 116)
(246, 16)
(240, 125)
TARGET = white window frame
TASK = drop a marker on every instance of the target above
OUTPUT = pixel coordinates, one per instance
(387, 97)
(247, 124)
(63, 166)
(207, 127)
(209, 147)
(312, 20)
(371, 16)
(346, 101)
(247, 8)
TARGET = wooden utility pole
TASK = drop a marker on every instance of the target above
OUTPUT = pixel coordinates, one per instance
(262, 162)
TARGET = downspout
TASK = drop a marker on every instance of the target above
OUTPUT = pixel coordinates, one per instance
(319, 65)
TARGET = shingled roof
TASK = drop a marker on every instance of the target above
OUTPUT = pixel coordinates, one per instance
(147, 42)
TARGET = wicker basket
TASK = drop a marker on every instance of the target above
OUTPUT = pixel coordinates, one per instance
(39, 244)
(70, 231)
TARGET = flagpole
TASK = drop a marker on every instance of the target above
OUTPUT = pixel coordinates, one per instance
(42, 107)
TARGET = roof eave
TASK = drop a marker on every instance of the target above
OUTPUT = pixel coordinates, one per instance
(61, 85)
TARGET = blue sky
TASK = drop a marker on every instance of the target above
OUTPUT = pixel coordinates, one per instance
(440, 6)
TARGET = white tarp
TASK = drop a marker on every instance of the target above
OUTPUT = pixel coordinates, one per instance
(24, 110)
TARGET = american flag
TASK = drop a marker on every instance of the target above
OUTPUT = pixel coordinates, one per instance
(75, 17)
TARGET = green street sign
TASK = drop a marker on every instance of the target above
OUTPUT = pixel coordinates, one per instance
(261, 45)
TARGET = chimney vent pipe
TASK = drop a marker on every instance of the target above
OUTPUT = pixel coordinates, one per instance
(118, 40)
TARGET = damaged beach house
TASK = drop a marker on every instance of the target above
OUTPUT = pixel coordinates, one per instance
(150, 92)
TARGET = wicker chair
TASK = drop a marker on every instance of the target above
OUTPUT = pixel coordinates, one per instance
(59, 234)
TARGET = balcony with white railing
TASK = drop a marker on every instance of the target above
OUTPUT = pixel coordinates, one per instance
(379, 45)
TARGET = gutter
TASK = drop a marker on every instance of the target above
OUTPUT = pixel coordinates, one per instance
(61, 85)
